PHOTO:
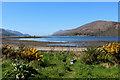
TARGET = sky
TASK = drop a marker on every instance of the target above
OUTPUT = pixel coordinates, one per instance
(45, 18)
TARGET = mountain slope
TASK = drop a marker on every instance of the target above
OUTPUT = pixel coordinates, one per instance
(4, 32)
(96, 28)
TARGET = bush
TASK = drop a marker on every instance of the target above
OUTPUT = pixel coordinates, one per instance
(105, 54)
(90, 56)
(29, 54)
(23, 53)
(8, 51)
(111, 52)
(20, 71)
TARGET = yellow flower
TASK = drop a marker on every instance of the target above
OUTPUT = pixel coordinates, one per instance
(31, 49)
(103, 46)
(113, 49)
(117, 46)
(109, 45)
(117, 50)
(36, 51)
(112, 53)
(38, 59)
(28, 54)
(113, 43)
(41, 56)
(7, 44)
(106, 44)
(36, 55)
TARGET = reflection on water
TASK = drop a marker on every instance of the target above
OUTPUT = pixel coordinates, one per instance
(70, 39)
(73, 44)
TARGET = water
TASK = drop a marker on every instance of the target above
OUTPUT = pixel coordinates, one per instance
(71, 38)
(73, 44)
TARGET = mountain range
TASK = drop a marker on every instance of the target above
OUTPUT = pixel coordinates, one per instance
(96, 28)
(6, 32)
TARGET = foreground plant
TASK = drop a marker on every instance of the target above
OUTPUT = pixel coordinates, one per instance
(105, 54)
(8, 51)
(30, 54)
(112, 51)
(20, 71)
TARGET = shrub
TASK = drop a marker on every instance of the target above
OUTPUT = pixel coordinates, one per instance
(90, 56)
(29, 54)
(20, 71)
(23, 53)
(8, 51)
(109, 53)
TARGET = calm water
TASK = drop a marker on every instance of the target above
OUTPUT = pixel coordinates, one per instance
(72, 38)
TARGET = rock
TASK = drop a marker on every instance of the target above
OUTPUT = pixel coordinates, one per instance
(107, 65)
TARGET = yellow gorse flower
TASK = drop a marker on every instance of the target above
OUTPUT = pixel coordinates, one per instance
(41, 56)
(31, 53)
(36, 55)
(111, 48)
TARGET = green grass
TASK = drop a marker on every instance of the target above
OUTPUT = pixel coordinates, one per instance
(57, 65)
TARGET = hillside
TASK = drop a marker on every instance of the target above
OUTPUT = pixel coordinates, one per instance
(4, 32)
(96, 28)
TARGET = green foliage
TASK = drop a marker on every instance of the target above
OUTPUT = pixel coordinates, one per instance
(90, 56)
(20, 71)
(94, 55)
(8, 51)
(57, 65)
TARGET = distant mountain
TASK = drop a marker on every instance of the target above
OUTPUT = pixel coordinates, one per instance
(5, 32)
(55, 33)
(96, 28)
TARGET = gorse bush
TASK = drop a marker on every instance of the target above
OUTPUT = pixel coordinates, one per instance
(109, 53)
(90, 56)
(29, 54)
(8, 51)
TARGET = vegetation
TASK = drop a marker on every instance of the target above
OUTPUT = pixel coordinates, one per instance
(29, 63)
(109, 53)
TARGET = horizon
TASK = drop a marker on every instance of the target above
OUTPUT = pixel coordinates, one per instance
(49, 17)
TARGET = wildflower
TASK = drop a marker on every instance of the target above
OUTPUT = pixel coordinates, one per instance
(31, 49)
(38, 59)
(36, 51)
(36, 55)
(112, 53)
(109, 45)
(7, 44)
(103, 47)
(41, 56)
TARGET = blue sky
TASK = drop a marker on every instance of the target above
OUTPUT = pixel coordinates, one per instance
(45, 18)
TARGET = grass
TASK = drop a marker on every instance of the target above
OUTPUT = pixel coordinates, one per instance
(57, 65)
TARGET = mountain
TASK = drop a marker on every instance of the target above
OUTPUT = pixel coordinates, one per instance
(5, 32)
(96, 28)
(55, 33)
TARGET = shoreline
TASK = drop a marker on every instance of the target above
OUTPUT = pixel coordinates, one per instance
(23, 37)
(40, 45)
